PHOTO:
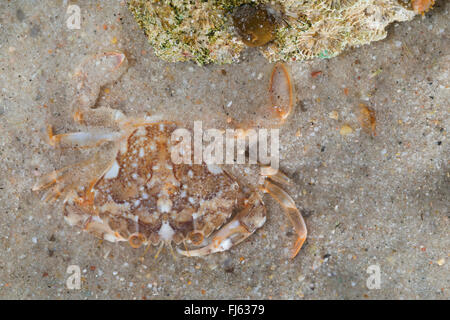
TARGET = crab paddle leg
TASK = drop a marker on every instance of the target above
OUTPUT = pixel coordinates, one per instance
(245, 223)
(291, 211)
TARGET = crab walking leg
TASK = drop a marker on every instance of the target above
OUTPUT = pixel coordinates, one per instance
(275, 175)
(291, 211)
(245, 223)
(90, 222)
(81, 139)
(57, 182)
(56, 176)
(61, 182)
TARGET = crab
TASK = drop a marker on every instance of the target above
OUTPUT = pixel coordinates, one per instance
(136, 193)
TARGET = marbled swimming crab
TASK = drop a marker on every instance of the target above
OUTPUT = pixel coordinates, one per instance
(139, 195)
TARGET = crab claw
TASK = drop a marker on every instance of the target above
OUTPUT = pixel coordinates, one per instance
(95, 72)
(225, 238)
(245, 223)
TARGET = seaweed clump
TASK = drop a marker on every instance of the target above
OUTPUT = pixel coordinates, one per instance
(216, 31)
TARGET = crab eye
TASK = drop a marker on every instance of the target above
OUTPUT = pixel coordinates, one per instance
(255, 24)
(136, 240)
(196, 237)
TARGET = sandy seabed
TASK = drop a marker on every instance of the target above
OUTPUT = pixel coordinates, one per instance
(367, 200)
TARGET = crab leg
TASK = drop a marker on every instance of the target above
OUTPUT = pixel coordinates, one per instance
(61, 182)
(275, 175)
(56, 176)
(95, 72)
(81, 139)
(245, 223)
(102, 116)
(229, 235)
(57, 184)
(292, 213)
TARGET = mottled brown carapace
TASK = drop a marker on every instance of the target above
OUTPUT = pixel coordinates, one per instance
(136, 192)
(144, 193)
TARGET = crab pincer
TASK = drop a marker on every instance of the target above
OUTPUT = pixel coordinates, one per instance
(91, 75)
(244, 224)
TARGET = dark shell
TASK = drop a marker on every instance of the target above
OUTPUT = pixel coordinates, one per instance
(254, 24)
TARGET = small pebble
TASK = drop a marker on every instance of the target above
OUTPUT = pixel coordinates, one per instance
(333, 115)
(345, 130)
